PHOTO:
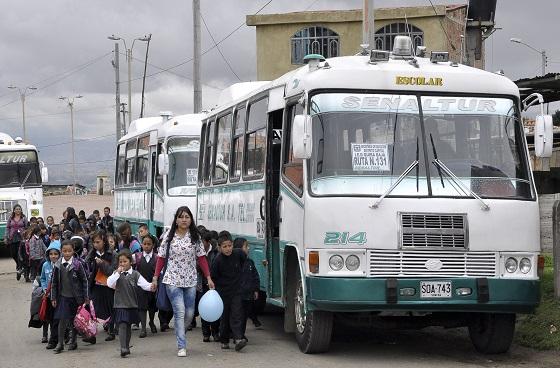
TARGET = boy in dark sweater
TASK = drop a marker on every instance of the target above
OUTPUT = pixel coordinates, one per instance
(226, 273)
(249, 285)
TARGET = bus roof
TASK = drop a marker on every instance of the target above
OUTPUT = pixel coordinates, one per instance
(7, 143)
(187, 125)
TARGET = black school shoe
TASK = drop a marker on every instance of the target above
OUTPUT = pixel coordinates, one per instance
(142, 334)
(153, 328)
(111, 337)
(125, 352)
(206, 339)
(240, 344)
(91, 340)
(164, 327)
(51, 345)
(225, 346)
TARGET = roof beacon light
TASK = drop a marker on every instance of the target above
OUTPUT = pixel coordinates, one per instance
(402, 46)
(378, 55)
(421, 51)
(18, 140)
(439, 56)
(313, 60)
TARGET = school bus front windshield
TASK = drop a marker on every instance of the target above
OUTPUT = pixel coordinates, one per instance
(362, 144)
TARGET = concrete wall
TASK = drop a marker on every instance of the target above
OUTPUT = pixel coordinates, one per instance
(274, 32)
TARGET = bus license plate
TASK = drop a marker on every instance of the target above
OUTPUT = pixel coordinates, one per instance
(435, 289)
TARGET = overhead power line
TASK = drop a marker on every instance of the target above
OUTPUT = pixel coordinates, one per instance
(59, 113)
(218, 48)
(207, 50)
(80, 163)
(442, 27)
(77, 140)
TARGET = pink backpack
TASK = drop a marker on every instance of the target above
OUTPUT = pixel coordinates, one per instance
(85, 321)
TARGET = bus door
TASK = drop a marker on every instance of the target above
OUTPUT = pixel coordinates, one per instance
(274, 152)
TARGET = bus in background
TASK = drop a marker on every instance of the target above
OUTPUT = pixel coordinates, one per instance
(156, 170)
(21, 179)
(382, 189)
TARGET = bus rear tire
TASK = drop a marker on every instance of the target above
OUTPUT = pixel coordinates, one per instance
(492, 333)
(313, 328)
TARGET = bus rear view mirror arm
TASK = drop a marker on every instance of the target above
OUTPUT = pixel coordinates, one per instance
(163, 164)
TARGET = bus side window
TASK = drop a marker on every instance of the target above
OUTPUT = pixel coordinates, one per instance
(130, 161)
(209, 153)
(223, 149)
(255, 145)
(237, 143)
(142, 163)
(159, 178)
(120, 164)
(292, 168)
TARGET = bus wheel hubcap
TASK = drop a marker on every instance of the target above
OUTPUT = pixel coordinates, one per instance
(300, 309)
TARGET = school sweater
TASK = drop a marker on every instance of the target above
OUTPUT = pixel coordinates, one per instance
(125, 288)
(226, 272)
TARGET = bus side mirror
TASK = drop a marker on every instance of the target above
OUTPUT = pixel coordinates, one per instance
(301, 136)
(44, 174)
(543, 136)
(163, 164)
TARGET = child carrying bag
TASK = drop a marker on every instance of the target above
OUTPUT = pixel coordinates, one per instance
(162, 300)
(85, 321)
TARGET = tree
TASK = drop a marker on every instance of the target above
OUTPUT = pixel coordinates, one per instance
(556, 118)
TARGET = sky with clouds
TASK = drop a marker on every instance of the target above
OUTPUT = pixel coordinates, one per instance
(61, 47)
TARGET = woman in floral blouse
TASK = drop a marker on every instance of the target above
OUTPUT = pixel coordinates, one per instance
(185, 252)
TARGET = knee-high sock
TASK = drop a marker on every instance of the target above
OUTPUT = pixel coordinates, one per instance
(122, 335)
(128, 335)
(61, 331)
(143, 313)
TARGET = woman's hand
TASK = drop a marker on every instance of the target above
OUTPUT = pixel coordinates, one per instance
(211, 285)
(154, 283)
(53, 303)
(98, 261)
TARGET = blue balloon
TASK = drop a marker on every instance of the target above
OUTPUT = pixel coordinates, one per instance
(211, 306)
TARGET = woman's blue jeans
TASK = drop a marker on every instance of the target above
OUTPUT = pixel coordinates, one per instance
(182, 300)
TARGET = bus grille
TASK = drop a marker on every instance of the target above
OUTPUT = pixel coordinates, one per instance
(433, 230)
(431, 264)
(6, 208)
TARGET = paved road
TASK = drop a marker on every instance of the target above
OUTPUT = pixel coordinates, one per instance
(20, 346)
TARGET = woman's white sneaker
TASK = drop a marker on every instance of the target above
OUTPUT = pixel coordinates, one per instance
(182, 353)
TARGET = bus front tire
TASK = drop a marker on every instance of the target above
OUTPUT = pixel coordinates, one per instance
(313, 328)
(492, 333)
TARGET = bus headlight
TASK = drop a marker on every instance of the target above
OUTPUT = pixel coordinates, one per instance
(525, 265)
(511, 265)
(352, 262)
(336, 262)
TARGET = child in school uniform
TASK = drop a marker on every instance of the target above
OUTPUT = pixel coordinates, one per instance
(100, 263)
(146, 266)
(211, 249)
(69, 290)
(37, 252)
(249, 285)
(125, 281)
(226, 273)
(53, 254)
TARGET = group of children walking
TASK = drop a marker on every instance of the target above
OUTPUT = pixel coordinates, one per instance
(111, 271)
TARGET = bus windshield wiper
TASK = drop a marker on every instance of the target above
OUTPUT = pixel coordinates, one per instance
(25, 180)
(458, 181)
(399, 179)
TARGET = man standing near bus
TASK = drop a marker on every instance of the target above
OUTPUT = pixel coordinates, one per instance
(107, 221)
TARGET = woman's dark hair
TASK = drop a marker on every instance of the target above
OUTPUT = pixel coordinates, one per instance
(14, 211)
(238, 243)
(71, 213)
(123, 227)
(43, 226)
(82, 213)
(100, 234)
(35, 230)
(193, 230)
(125, 253)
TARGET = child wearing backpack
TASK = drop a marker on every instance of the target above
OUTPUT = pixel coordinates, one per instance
(53, 254)
(37, 251)
(146, 266)
(69, 290)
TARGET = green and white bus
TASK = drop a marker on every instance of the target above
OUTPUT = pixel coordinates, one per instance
(380, 188)
(156, 170)
(21, 179)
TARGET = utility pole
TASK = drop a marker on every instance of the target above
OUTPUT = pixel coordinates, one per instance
(123, 111)
(368, 24)
(70, 101)
(144, 78)
(22, 94)
(117, 92)
(197, 88)
(129, 58)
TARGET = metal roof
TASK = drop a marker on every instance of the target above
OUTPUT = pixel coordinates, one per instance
(547, 85)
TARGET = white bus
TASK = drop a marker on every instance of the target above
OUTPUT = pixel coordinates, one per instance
(156, 170)
(21, 178)
(386, 187)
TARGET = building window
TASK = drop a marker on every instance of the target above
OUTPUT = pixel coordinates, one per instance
(314, 40)
(385, 36)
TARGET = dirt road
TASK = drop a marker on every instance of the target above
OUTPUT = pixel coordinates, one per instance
(55, 205)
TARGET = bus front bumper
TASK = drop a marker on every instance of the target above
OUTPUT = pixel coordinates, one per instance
(372, 295)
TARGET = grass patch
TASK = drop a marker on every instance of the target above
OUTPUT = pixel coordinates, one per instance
(541, 330)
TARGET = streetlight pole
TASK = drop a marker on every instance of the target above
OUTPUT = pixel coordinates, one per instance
(144, 78)
(70, 101)
(22, 94)
(542, 52)
(129, 62)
